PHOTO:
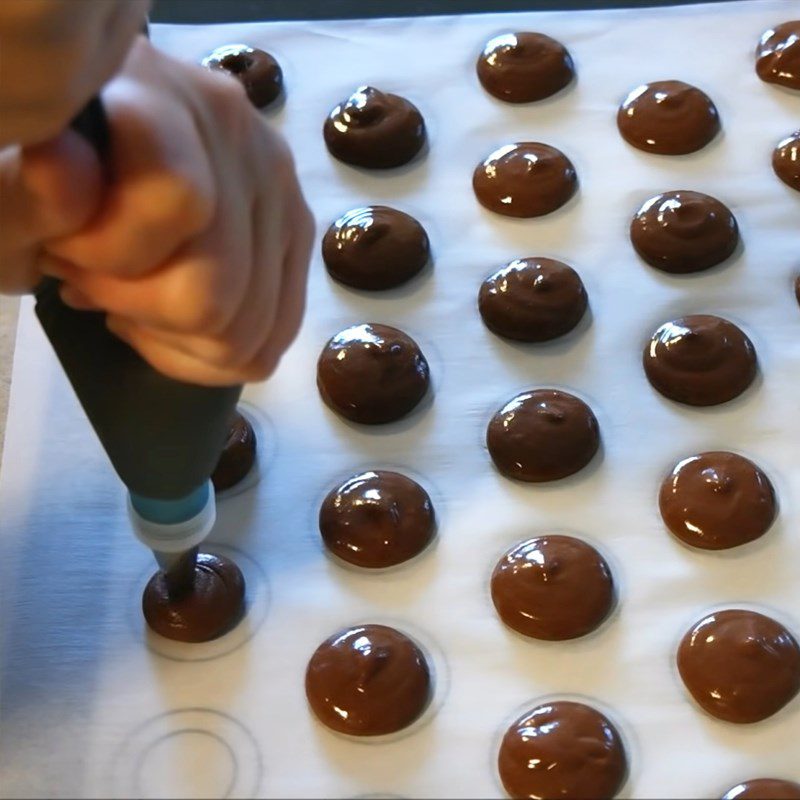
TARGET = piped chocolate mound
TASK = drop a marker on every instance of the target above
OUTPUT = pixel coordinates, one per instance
(372, 374)
(542, 435)
(778, 55)
(764, 789)
(377, 519)
(198, 600)
(786, 161)
(668, 117)
(375, 248)
(527, 179)
(374, 129)
(739, 665)
(257, 71)
(369, 680)
(700, 360)
(717, 500)
(684, 231)
(238, 455)
(523, 67)
(552, 588)
(532, 300)
(562, 750)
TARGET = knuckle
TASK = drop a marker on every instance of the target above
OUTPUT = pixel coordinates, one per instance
(185, 205)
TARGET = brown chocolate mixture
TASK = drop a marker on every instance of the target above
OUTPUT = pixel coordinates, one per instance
(375, 130)
(238, 455)
(523, 67)
(199, 600)
(562, 750)
(368, 680)
(377, 519)
(683, 231)
(527, 179)
(553, 588)
(668, 117)
(764, 789)
(717, 500)
(532, 300)
(739, 665)
(257, 71)
(375, 248)
(372, 374)
(778, 55)
(542, 435)
(786, 161)
(700, 360)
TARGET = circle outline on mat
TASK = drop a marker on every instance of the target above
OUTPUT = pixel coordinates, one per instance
(609, 712)
(438, 669)
(257, 599)
(248, 764)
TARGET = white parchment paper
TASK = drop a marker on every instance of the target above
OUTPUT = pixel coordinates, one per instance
(93, 706)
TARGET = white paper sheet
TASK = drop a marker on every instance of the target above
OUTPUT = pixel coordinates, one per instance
(93, 707)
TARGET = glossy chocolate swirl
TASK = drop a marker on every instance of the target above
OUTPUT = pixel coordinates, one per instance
(717, 500)
(552, 588)
(199, 600)
(683, 231)
(372, 374)
(786, 160)
(542, 435)
(257, 71)
(375, 130)
(764, 789)
(668, 117)
(532, 300)
(523, 67)
(778, 55)
(238, 455)
(377, 519)
(527, 179)
(369, 680)
(700, 360)
(375, 248)
(562, 750)
(739, 665)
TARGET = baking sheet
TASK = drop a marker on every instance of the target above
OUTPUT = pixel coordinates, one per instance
(93, 706)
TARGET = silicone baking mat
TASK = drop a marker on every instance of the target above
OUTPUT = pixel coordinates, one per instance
(93, 706)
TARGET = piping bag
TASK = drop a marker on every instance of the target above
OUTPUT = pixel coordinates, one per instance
(163, 436)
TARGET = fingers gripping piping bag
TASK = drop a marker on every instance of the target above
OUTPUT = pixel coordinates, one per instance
(163, 436)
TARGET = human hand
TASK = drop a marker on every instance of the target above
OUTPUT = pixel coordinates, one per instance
(199, 254)
(54, 56)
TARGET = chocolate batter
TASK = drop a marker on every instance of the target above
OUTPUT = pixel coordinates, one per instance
(375, 248)
(552, 587)
(764, 789)
(700, 360)
(375, 130)
(257, 71)
(562, 750)
(238, 455)
(368, 681)
(684, 231)
(668, 117)
(532, 300)
(542, 435)
(372, 374)
(786, 160)
(523, 67)
(740, 666)
(527, 179)
(778, 55)
(717, 500)
(201, 599)
(377, 519)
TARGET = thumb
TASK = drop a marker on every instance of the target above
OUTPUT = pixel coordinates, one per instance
(46, 191)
